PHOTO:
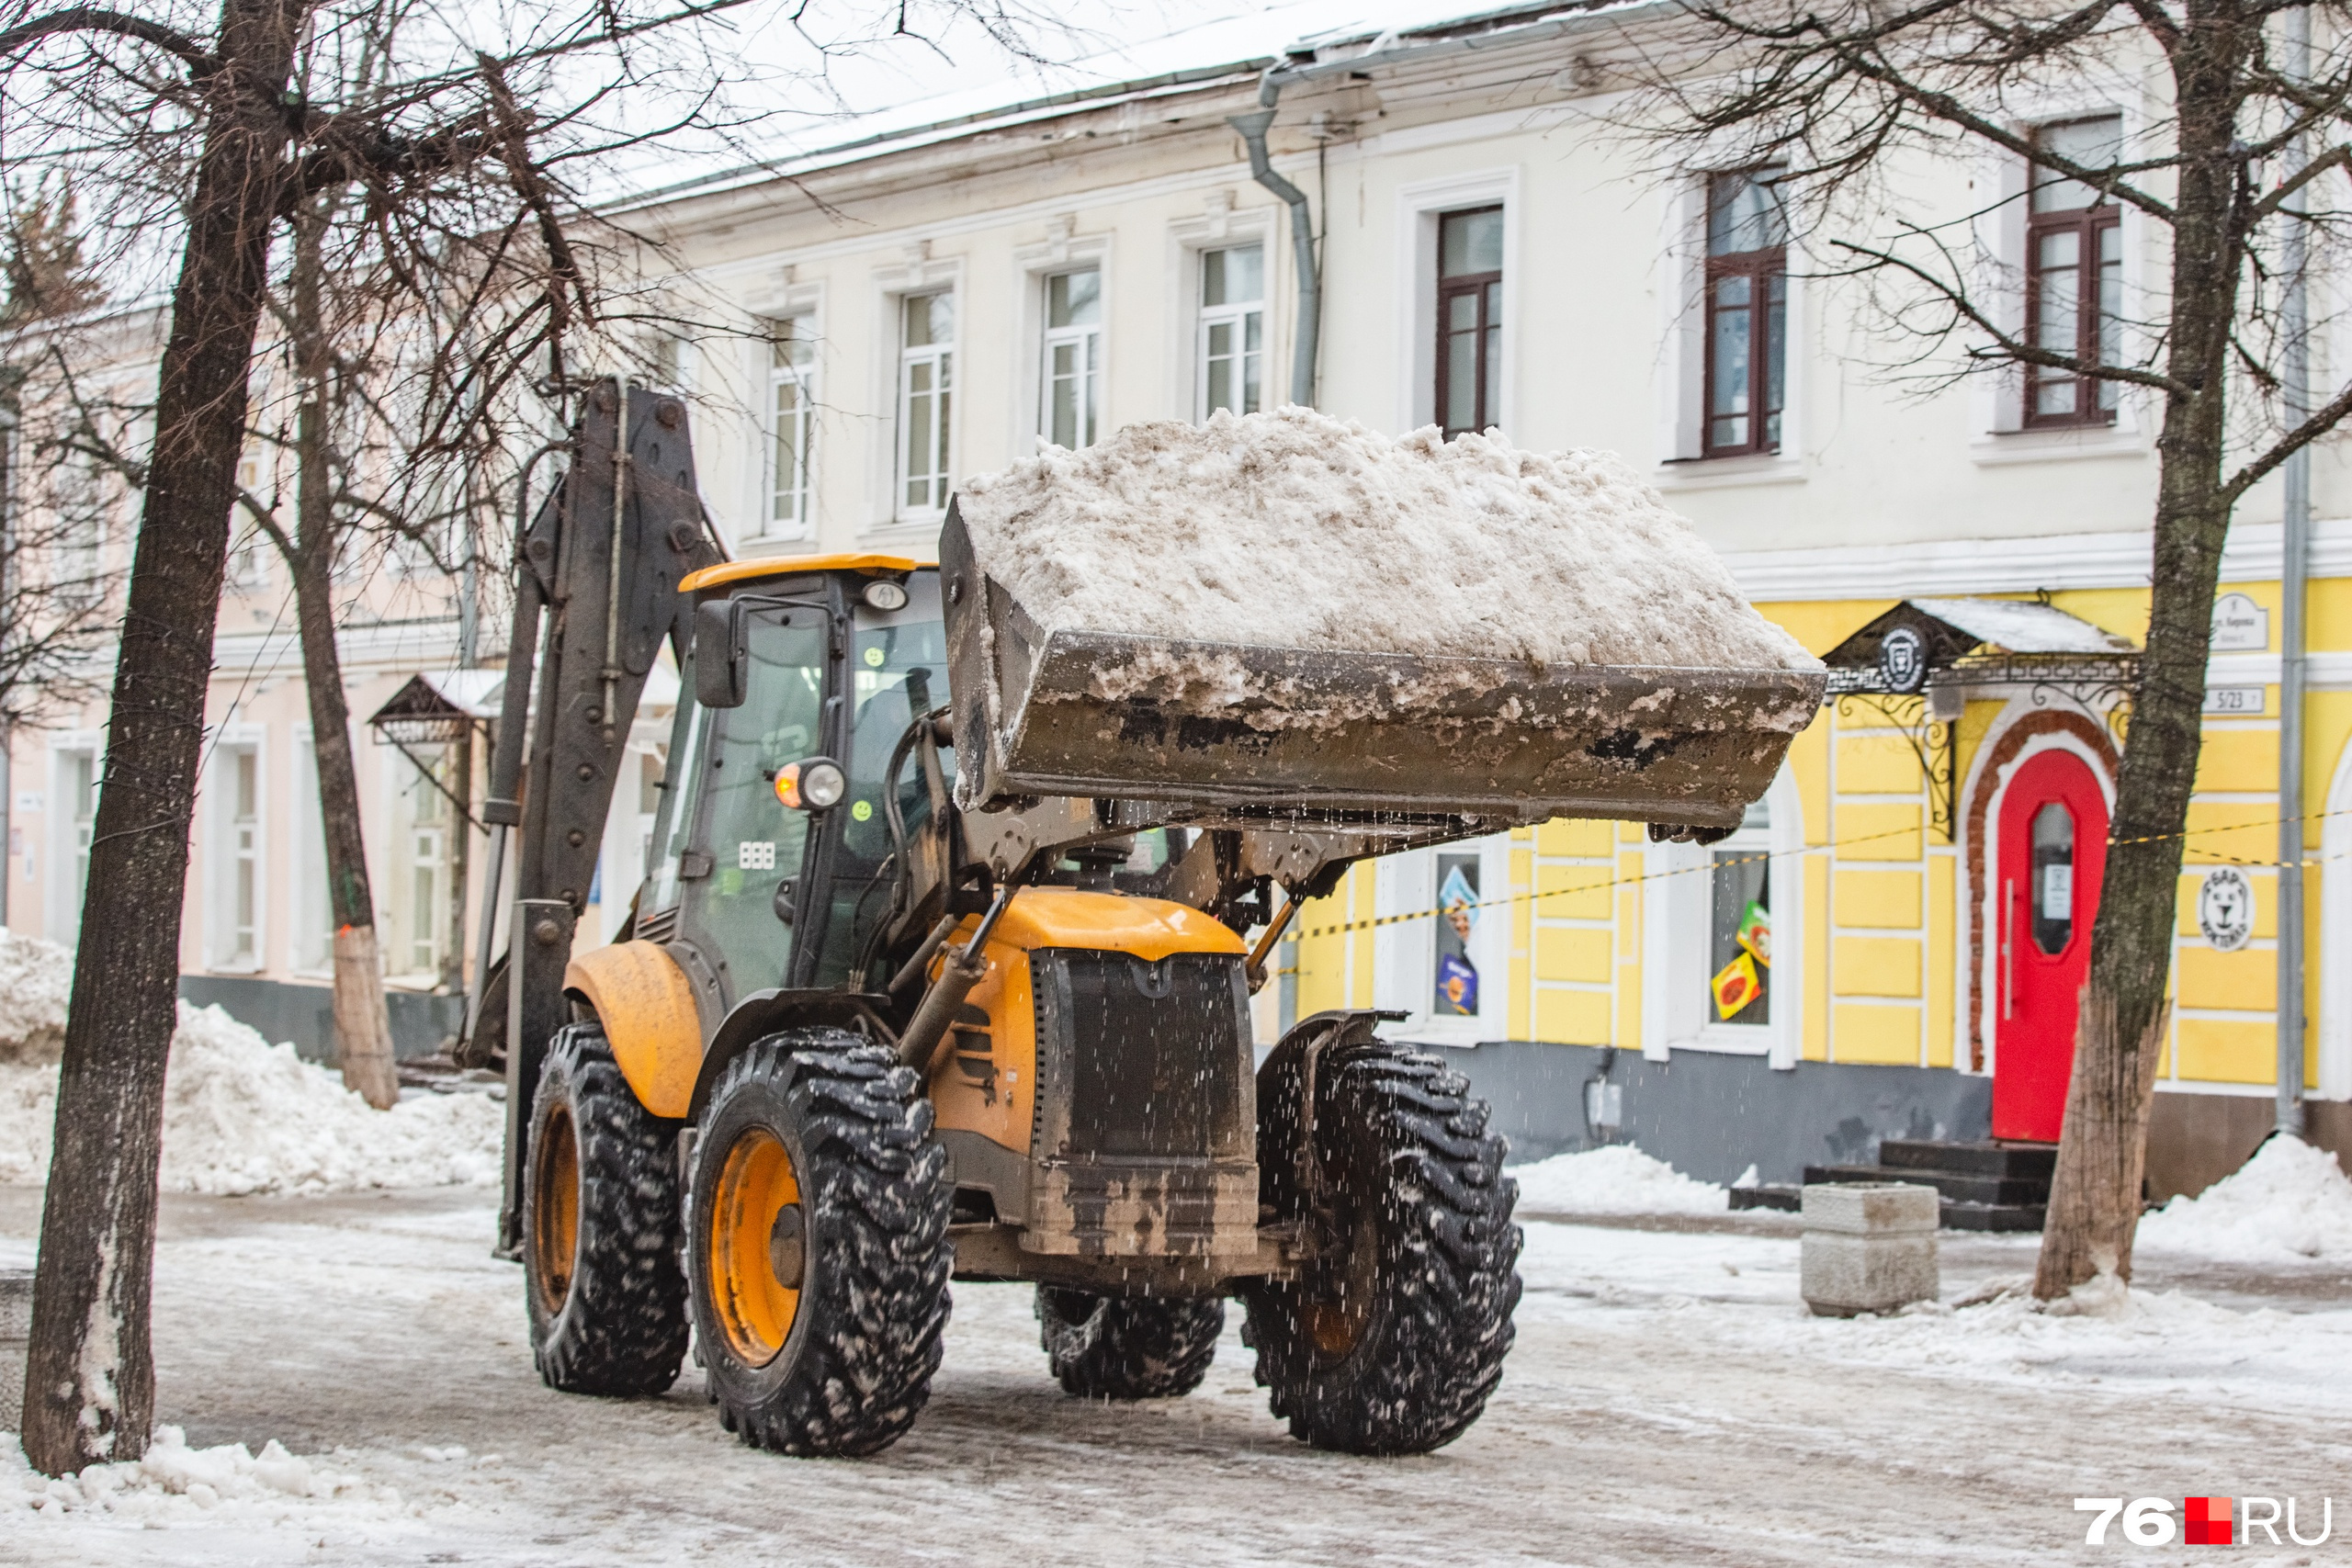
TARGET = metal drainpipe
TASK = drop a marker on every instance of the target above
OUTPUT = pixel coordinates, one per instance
(1252, 127)
(2295, 554)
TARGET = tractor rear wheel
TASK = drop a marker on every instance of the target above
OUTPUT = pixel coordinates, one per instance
(818, 1244)
(1127, 1346)
(1394, 1334)
(600, 1227)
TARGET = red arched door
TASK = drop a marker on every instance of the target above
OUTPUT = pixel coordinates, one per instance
(2052, 852)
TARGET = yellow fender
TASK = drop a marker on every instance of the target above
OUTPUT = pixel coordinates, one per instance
(647, 1006)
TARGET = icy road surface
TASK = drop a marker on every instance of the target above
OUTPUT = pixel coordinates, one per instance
(1669, 1403)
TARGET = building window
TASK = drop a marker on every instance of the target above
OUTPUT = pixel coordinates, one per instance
(1748, 311)
(926, 386)
(1073, 368)
(2073, 246)
(421, 889)
(1455, 968)
(1233, 330)
(1469, 319)
(82, 809)
(236, 873)
(1739, 925)
(81, 533)
(248, 548)
(792, 425)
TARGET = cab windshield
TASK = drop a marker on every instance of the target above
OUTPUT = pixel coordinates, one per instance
(898, 669)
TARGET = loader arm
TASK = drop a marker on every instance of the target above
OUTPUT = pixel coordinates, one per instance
(599, 566)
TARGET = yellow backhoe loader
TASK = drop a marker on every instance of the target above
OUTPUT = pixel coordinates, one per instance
(940, 969)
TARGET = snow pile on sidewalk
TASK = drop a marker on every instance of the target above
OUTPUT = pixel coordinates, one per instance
(1292, 529)
(36, 977)
(243, 1116)
(1617, 1179)
(2289, 1202)
(174, 1484)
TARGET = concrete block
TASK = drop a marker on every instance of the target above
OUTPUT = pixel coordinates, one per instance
(16, 1329)
(1868, 1247)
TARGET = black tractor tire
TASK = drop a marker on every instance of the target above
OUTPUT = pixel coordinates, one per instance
(1394, 1336)
(600, 1227)
(1127, 1346)
(844, 1371)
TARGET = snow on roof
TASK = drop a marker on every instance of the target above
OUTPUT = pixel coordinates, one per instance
(473, 692)
(2023, 626)
(1290, 32)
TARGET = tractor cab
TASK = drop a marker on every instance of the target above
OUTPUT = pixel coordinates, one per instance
(774, 835)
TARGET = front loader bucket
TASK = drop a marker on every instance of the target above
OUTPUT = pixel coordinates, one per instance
(1241, 733)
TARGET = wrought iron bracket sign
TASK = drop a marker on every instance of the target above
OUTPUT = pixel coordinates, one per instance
(1916, 665)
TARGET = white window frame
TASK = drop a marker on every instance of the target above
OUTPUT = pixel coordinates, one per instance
(1404, 962)
(774, 380)
(942, 359)
(403, 784)
(1681, 379)
(1997, 436)
(1418, 209)
(1064, 250)
(1676, 917)
(1235, 314)
(1087, 340)
(1222, 228)
(62, 890)
(233, 844)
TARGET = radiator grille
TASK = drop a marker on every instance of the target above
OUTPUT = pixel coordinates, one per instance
(1155, 1055)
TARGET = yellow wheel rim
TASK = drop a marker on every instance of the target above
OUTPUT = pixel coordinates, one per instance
(554, 1208)
(758, 1246)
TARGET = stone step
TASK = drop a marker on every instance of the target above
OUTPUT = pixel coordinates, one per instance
(2024, 1162)
(1993, 1216)
(1957, 1186)
(1790, 1198)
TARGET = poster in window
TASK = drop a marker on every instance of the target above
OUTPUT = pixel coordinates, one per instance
(1457, 900)
(1740, 937)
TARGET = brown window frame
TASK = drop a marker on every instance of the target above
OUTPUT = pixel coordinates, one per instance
(2090, 225)
(1474, 284)
(1760, 267)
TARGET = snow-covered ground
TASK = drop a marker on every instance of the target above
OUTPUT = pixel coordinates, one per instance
(1670, 1402)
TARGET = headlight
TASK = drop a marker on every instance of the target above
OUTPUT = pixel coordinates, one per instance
(811, 785)
(884, 594)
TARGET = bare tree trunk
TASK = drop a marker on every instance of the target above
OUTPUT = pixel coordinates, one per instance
(2124, 1016)
(2095, 1195)
(90, 1375)
(362, 1029)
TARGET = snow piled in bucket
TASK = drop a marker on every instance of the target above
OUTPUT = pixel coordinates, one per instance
(35, 978)
(1292, 529)
(243, 1116)
(175, 1483)
(2290, 1202)
(1617, 1179)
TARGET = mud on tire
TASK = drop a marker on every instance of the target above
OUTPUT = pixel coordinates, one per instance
(1127, 1346)
(600, 1227)
(1391, 1341)
(816, 1162)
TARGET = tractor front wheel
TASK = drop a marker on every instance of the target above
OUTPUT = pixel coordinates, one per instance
(600, 1227)
(818, 1241)
(1394, 1334)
